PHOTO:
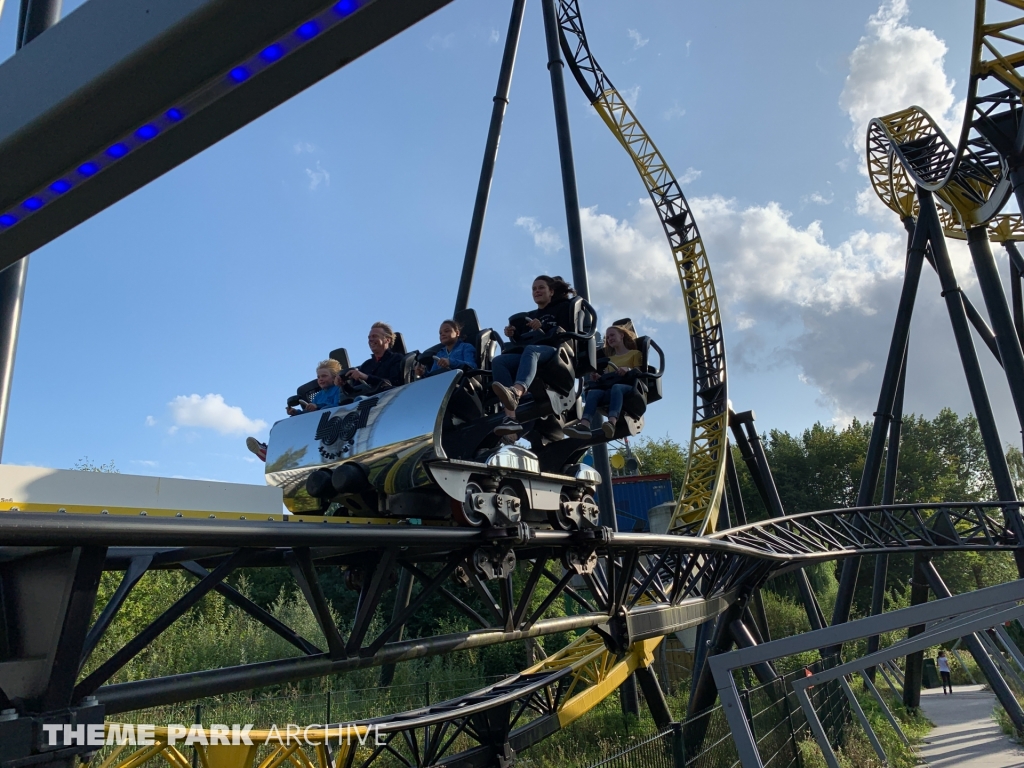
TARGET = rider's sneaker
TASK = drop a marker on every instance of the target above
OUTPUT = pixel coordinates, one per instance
(254, 445)
(609, 429)
(578, 430)
(508, 427)
(508, 396)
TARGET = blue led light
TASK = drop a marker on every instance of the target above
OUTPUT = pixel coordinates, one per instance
(147, 132)
(88, 169)
(32, 204)
(272, 53)
(345, 7)
(308, 31)
(239, 74)
(117, 150)
(60, 186)
(8, 220)
(174, 114)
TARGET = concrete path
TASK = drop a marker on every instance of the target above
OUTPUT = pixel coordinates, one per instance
(965, 735)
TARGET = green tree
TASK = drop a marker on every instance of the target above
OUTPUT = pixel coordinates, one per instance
(661, 456)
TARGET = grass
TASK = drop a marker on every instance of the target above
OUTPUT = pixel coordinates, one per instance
(857, 751)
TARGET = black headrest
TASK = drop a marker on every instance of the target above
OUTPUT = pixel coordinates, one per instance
(470, 324)
(341, 355)
(398, 345)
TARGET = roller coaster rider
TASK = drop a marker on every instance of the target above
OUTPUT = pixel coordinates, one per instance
(383, 369)
(454, 352)
(534, 338)
(623, 362)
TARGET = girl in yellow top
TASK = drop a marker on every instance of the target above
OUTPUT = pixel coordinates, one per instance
(622, 357)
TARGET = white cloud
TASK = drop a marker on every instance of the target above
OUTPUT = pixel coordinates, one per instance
(773, 267)
(688, 47)
(893, 67)
(318, 177)
(441, 41)
(495, 36)
(211, 412)
(146, 463)
(638, 40)
(303, 146)
(819, 199)
(690, 175)
(545, 238)
(150, 421)
(673, 112)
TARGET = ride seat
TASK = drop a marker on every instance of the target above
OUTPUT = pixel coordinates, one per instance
(647, 387)
(577, 355)
(408, 360)
(485, 341)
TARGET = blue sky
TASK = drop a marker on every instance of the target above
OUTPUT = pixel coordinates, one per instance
(163, 331)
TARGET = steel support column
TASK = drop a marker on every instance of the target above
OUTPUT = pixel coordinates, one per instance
(483, 189)
(34, 18)
(883, 411)
(972, 368)
(744, 638)
(892, 460)
(915, 660)
(1016, 262)
(654, 696)
(749, 443)
(999, 314)
(578, 259)
(703, 690)
(403, 594)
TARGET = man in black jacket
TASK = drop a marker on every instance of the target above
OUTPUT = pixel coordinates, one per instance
(384, 367)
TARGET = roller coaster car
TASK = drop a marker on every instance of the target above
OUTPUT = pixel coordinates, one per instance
(427, 451)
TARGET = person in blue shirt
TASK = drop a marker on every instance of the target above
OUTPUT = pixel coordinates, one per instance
(328, 374)
(329, 396)
(454, 352)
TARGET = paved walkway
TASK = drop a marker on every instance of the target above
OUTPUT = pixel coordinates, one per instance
(965, 735)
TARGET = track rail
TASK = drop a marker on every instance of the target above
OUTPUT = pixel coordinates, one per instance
(697, 510)
(642, 587)
(973, 177)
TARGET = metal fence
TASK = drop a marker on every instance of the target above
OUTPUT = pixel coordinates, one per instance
(776, 720)
(665, 750)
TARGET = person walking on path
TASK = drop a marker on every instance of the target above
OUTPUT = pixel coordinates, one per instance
(943, 664)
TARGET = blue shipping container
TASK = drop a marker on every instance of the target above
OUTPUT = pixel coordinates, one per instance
(635, 495)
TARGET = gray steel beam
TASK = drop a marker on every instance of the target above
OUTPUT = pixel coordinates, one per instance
(989, 597)
(965, 624)
(816, 728)
(859, 712)
(885, 709)
(113, 66)
(1011, 647)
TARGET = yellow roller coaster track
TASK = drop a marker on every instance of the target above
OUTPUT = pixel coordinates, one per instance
(972, 179)
(697, 509)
